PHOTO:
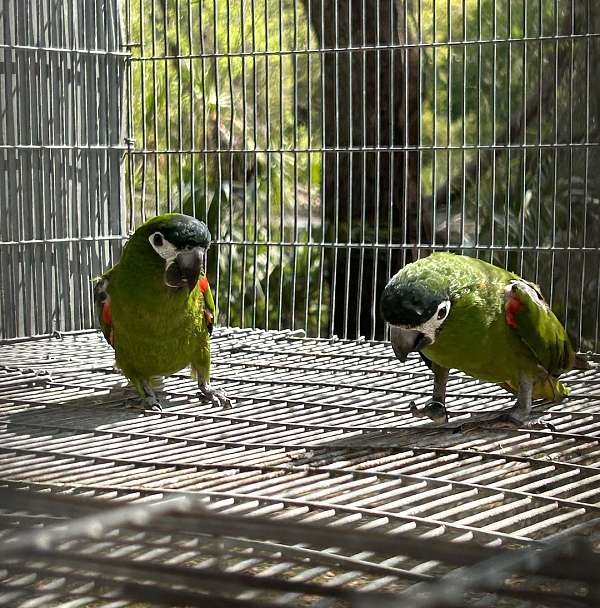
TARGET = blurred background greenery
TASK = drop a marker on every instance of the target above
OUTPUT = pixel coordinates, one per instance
(328, 142)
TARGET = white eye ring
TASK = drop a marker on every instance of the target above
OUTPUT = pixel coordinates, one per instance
(160, 244)
(442, 312)
(157, 240)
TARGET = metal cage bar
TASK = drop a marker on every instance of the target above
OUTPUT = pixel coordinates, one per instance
(61, 81)
(327, 142)
(316, 487)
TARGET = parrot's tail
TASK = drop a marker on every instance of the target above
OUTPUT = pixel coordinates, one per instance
(549, 389)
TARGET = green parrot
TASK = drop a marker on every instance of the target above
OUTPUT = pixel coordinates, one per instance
(155, 306)
(461, 312)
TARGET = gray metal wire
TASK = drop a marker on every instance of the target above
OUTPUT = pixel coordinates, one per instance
(220, 535)
(61, 83)
(326, 142)
(434, 125)
(319, 435)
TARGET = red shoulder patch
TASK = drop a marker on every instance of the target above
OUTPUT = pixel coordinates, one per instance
(511, 309)
(106, 315)
(203, 284)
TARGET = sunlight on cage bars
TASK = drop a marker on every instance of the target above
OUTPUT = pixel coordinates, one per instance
(326, 143)
(317, 488)
(189, 546)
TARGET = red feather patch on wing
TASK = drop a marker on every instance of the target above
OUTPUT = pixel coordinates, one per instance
(103, 312)
(511, 309)
(203, 284)
(106, 315)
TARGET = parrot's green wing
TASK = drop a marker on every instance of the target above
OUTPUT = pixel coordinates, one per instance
(536, 325)
(206, 303)
(102, 306)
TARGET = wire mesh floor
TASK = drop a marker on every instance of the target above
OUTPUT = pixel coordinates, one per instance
(320, 434)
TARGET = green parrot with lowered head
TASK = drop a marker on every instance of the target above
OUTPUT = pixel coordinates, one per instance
(155, 306)
(464, 313)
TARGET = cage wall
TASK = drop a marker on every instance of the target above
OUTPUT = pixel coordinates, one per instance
(61, 149)
(328, 142)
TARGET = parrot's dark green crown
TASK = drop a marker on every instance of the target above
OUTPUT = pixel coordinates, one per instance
(409, 305)
(180, 230)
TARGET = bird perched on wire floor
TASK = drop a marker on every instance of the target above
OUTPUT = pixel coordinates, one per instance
(461, 312)
(155, 306)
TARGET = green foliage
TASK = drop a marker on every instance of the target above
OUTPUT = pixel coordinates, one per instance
(529, 207)
(214, 76)
(225, 105)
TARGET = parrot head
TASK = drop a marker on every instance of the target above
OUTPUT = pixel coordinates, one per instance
(178, 243)
(416, 313)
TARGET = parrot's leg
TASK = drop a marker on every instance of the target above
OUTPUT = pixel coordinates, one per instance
(149, 399)
(522, 408)
(435, 408)
(520, 413)
(440, 380)
(215, 396)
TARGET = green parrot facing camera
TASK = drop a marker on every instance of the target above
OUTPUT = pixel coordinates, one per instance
(464, 313)
(155, 306)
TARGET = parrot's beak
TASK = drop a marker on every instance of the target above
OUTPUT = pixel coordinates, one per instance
(405, 341)
(186, 268)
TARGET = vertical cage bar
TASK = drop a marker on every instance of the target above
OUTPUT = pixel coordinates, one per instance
(61, 76)
(209, 109)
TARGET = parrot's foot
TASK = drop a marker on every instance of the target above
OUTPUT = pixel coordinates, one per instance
(215, 396)
(149, 399)
(520, 416)
(527, 423)
(506, 421)
(435, 410)
(152, 403)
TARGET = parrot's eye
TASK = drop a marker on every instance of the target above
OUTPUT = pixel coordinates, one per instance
(162, 246)
(442, 312)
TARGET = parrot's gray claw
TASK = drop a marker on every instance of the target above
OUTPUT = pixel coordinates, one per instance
(539, 424)
(152, 403)
(215, 396)
(433, 410)
(531, 424)
(149, 399)
(528, 424)
(520, 417)
(219, 398)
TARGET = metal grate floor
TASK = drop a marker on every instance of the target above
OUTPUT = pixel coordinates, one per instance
(320, 433)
